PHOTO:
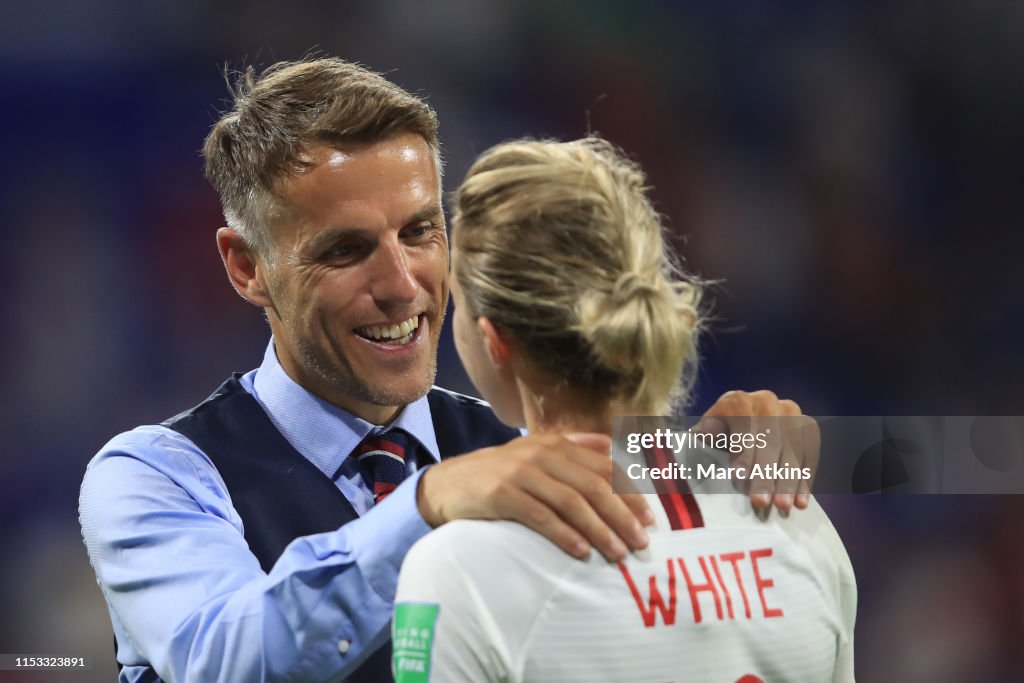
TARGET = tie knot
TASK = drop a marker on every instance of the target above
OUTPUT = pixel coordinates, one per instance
(382, 461)
(393, 442)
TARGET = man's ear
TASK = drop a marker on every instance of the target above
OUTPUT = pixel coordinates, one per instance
(245, 269)
(499, 346)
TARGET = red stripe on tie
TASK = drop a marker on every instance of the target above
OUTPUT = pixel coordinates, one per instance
(381, 489)
(379, 444)
(382, 461)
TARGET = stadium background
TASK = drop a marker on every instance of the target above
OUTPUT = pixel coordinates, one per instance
(852, 171)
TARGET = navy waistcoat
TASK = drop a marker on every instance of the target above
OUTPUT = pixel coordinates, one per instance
(280, 495)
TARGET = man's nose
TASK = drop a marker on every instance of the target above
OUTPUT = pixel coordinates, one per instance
(393, 279)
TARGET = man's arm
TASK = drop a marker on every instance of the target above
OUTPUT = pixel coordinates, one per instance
(561, 487)
(169, 553)
(558, 486)
(171, 559)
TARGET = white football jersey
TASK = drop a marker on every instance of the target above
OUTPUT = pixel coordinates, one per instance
(722, 594)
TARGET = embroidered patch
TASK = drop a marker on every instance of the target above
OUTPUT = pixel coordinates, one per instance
(412, 636)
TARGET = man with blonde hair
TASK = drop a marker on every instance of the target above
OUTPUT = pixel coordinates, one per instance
(258, 536)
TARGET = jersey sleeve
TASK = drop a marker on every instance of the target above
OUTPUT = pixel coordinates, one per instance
(478, 587)
(444, 628)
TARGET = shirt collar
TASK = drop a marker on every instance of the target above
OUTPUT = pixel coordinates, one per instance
(321, 431)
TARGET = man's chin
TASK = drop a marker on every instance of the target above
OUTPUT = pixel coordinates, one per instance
(396, 399)
(400, 391)
(384, 382)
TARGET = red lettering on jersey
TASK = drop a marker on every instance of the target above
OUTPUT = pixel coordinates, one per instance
(725, 591)
(713, 583)
(733, 559)
(709, 585)
(655, 603)
(763, 583)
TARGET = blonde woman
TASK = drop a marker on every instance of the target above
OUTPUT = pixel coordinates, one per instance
(569, 311)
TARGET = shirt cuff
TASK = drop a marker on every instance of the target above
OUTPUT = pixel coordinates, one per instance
(380, 545)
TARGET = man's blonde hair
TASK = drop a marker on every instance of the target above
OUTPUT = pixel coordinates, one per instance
(289, 106)
(559, 244)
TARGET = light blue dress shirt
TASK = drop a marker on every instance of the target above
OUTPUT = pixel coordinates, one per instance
(188, 598)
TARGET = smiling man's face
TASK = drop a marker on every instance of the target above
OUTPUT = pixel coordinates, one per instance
(359, 276)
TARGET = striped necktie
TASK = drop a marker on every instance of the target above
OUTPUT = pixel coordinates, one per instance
(382, 461)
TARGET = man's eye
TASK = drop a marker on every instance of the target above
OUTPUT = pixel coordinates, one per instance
(416, 231)
(339, 251)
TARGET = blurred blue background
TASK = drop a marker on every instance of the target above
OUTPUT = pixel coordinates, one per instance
(851, 171)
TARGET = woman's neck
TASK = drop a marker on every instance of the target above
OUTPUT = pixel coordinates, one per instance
(558, 408)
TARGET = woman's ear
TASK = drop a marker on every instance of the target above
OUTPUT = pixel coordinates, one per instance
(499, 347)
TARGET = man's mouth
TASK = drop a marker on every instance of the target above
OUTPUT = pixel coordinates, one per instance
(392, 335)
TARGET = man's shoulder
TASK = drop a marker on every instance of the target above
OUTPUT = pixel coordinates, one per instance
(150, 450)
(468, 407)
(463, 424)
(150, 465)
(234, 387)
(147, 443)
(162, 445)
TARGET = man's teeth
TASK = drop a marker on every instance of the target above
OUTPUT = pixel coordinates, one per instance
(382, 332)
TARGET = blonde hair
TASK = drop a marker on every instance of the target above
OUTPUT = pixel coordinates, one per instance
(559, 244)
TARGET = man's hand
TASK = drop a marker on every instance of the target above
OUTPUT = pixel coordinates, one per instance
(795, 441)
(559, 486)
